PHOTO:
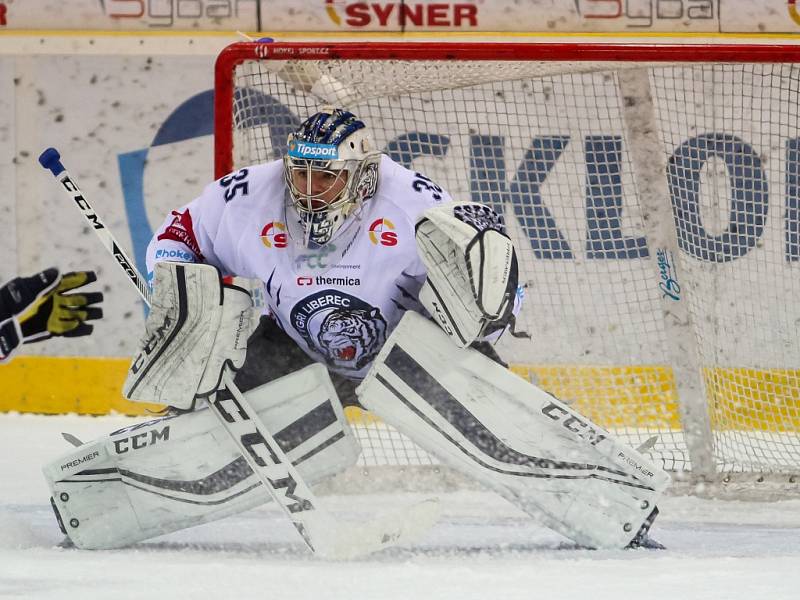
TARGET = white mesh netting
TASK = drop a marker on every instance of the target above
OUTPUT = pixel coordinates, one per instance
(656, 212)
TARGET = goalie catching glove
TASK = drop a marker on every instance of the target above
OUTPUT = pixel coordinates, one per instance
(196, 327)
(472, 271)
(37, 308)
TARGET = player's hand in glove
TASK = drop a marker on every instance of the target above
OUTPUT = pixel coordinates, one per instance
(61, 314)
(18, 296)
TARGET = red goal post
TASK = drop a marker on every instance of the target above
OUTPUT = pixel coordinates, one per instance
(653, 192)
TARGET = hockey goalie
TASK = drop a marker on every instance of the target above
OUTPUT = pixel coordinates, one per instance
(379, 291)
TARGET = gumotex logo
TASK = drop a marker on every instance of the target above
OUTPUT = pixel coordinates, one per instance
(300, 149)
(792, 5)
(380, 232)
(274, 235)
(401, 14)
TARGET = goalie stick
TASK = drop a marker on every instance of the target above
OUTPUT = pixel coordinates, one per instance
(50, 159)
(321, 532)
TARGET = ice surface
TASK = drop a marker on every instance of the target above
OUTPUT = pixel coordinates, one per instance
(482, 548)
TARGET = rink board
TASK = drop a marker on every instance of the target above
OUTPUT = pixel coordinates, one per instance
(642, 396)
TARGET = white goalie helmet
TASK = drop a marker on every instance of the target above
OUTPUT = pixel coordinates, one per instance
(330, 168)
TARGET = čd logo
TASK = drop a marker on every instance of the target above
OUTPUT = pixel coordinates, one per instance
(274, 235)
(381, 232)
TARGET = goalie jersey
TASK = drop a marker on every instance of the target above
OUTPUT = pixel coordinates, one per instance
(340, 301)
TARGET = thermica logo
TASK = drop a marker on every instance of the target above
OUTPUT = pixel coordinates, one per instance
(300, 149)
(380, 232)
(274, 235)
(402, 14)
(323, 280)
(793, 11)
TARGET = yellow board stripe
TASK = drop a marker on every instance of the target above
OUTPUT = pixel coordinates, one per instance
(641, 396)
(754, 399)
(58, 385)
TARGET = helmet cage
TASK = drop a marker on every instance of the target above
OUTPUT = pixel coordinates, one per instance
(321, 220)
(339, 135)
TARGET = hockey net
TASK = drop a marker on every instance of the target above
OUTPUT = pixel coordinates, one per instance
(653, 194)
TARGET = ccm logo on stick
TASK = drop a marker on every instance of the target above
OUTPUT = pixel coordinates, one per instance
(81, 202)
(256, 445)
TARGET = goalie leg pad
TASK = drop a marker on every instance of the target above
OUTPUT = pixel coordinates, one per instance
(178, 471)
(509, 435)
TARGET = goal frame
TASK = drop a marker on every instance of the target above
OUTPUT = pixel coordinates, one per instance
(570, 52)
(239, 52)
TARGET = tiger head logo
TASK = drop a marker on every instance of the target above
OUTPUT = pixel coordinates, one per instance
(352, 338)
(344, 330)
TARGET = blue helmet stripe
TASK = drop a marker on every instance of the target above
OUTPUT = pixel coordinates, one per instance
(326, 128)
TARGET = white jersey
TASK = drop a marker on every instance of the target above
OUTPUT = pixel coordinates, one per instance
(339, 302)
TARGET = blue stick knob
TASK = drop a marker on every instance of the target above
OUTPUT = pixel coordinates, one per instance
(51, 159)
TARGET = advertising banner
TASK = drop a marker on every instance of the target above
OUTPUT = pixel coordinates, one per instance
(393, 16)
(561, 16)
(759, 16)
(127, 15)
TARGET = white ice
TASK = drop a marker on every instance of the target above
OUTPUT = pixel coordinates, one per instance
(482, 548)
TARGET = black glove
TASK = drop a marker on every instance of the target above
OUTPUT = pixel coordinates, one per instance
(21, 292)
(63, 314)
(10, 338)
(16, 297)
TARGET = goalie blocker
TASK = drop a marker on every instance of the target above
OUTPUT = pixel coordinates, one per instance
(194, 328)
(516, 439)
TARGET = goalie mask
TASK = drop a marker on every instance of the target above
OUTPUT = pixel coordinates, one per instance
(330, 170)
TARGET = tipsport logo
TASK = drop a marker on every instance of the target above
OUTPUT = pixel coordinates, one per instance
(312, 151)
(382, 233)
(274, 235)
